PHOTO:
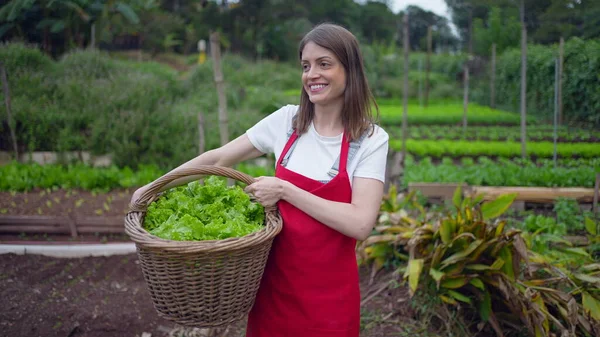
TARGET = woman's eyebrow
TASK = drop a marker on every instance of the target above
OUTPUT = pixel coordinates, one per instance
(318, 58)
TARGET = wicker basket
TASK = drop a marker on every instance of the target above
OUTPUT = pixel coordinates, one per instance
(201, 283)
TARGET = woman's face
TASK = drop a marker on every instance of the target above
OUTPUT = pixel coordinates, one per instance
(323, 75)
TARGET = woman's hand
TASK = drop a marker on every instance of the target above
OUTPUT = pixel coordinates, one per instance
(266, 190)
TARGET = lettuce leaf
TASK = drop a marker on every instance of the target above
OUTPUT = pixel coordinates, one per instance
(209, 211)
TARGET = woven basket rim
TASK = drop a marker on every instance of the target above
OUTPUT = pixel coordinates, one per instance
(142, 238)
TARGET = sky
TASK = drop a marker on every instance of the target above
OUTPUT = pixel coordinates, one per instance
(437, 6)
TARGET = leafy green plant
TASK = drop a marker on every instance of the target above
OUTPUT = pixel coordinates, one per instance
(593, 234)
(209, 211)
(568, 214)
(460, 148)
(478, 266)
(503, 172)
(495, 133)
(26, 177)
(448, 113)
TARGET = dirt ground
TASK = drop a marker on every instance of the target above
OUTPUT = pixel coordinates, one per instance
(64, 203)
(107, 296)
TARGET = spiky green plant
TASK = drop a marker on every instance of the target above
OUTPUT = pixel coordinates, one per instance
(474, 263)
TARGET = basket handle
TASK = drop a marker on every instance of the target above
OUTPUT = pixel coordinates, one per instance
(141, 205)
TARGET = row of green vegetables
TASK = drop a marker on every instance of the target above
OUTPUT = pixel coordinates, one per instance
(483, 171)
(503, 172)
(460, 148)
(495, 133)
(445, 114)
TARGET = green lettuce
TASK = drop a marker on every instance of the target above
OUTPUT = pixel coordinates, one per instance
(209, 211)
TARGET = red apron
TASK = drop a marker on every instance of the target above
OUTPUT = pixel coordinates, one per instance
(310, 286)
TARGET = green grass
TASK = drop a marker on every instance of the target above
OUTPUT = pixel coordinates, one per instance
(450, 113)
(495, 133)
(462, 148)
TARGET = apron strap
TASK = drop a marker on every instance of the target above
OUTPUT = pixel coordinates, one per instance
(335, 169)
(288, 153)
(352, 150)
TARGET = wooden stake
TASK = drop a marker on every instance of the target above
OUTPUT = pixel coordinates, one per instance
(428, 64)
(215, 51)
(6, 90)
(561, 60)
(493, 78)
(465, 95)
(523, 82)
(405, 94)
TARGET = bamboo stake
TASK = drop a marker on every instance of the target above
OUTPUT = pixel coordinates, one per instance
(523, 82)
(405, 98)
(493, 78)
(465, 95)
(428, 64)
(561, 60)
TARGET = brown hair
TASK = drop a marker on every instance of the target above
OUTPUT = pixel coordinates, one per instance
(357, 114)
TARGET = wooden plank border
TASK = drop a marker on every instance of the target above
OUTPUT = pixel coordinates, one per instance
(36, 224)
(445, 191)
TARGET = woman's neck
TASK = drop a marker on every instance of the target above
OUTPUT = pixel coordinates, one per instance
(328, 120)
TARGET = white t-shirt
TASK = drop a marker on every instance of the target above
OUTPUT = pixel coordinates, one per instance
(314, 154)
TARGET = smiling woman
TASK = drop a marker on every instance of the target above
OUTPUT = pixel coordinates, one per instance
(328, 186)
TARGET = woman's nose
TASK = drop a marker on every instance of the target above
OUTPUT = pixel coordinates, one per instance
(313, 72)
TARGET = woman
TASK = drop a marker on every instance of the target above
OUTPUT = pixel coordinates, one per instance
(328, 186)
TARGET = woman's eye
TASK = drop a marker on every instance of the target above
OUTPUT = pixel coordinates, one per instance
(324, 64)
(305, 67)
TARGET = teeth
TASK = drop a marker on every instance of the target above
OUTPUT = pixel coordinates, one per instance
(317, 87)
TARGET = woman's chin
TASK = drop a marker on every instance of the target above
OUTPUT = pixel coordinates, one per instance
(317, 99)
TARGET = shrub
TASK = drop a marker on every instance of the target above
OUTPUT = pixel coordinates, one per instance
(19, 57)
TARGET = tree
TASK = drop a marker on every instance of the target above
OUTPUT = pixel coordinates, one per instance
(57, 16)
(591, 19)
(563, 18)
(502, 28)
(102, 11)
(463, 14)
(419, 23)
(377, 22)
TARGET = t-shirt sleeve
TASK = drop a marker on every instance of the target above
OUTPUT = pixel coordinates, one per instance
(373, 161)
(264, 134)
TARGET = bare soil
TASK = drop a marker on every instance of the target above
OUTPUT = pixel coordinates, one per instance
(107, 296)
(64, 203)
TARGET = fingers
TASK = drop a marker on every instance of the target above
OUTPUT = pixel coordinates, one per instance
(252, 187)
